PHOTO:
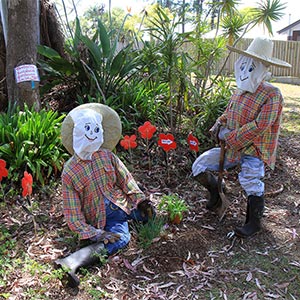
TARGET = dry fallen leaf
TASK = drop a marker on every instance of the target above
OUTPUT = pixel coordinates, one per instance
(273, 296)
(166, 285)
(295, 263)
(137, 261)
(282, 285)
(128, 265)
(249, 277)
(147, 270)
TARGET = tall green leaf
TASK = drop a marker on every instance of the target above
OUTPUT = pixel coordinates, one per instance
(104, 39)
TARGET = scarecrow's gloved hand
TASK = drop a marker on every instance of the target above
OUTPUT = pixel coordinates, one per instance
(146, 209)
(214, 131)
(222, 132)
(105, 237)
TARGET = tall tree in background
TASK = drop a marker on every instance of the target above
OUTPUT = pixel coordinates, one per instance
(3, 93)
(21, 49)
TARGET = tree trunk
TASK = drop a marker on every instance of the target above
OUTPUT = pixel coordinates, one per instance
(3, 93)
(21, 49)
(51, 34)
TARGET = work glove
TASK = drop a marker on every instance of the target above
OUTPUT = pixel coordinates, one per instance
(105, 237)
(214, 131)
(146, 209)
(222, 132)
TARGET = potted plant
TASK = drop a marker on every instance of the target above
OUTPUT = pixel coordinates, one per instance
(174, 206)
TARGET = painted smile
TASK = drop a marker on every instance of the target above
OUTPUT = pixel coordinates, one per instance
(243, 79)
(90, 139)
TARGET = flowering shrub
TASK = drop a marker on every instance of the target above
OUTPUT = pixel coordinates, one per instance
(30, 141)
(26, 181)
(3, 170)
(129, 142)
(167, 142)
(27, 184)
(147, 130)
(193, 143)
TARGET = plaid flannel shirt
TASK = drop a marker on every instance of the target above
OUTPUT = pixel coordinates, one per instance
(85, 184)
(254, 119)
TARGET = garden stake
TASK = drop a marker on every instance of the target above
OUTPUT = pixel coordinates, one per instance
(225, 203)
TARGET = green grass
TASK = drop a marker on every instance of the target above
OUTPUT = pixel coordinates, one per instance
(291, 109)
(291, 116)
(268, 274)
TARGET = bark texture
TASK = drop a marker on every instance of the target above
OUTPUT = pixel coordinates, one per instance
(22, 40)
(3, 91)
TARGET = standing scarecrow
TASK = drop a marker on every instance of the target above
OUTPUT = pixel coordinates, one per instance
(249, 127)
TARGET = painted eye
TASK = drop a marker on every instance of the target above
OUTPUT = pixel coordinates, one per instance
(87, 127)
(242, 67)
(251, 68)
(97, 129)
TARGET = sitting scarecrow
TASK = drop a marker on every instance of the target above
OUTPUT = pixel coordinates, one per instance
(100, 195)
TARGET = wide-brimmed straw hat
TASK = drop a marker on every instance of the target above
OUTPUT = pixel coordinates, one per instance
(261, 48)
(111, 124)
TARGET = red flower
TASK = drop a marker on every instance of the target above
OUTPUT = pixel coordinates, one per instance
(129, 142)
(193, 142)
(27, 184)
(3, 170)
(147, 130)
(166, 141)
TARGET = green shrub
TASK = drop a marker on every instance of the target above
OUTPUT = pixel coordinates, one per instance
(95, 67)
(174, 206)
(211, 107)
(30, 141)
(149, 231)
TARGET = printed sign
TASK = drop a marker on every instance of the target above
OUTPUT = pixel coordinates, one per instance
(166, 141)
(26, 73)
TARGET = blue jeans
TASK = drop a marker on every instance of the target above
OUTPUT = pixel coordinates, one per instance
(117, 222)
(250, 177)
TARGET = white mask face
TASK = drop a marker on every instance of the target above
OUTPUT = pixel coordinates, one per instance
(87, 132)
(249, 73)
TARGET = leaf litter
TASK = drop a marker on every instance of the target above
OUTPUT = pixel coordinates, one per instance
(194, 260)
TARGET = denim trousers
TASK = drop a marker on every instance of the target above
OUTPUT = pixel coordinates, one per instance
(117, 222)
(250, 177)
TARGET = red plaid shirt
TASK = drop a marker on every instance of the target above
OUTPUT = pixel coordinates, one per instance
(255, 123)
(85, 184)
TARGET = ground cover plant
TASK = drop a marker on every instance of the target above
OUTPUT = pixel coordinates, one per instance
(29, 141)
(193, 260)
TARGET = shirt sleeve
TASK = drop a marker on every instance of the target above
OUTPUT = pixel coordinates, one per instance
(127, 183)
(240, 138)
(73, 213)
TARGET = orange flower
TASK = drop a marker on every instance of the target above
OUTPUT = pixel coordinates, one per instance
(166, 141)
(147, 130)
(27, 184)
(3, 170)
(129, 142)
(193, 142)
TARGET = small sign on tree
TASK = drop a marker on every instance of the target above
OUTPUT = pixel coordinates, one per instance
(26, 73)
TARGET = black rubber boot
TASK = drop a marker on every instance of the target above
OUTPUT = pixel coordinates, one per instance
(253, 219)
(82, 258)
(209, 181)
(247, 212)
